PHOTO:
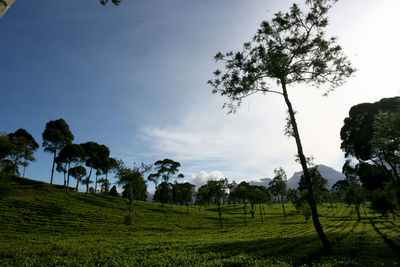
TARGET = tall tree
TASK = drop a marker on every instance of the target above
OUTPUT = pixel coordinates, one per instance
(166, 169)
(291, 49)
(132, 179)
(78, 173)
(371, 134)
(69, 154)
(217, 190)
(277, 186)
(203, 196)
(55, 136)
(6, 147)
(95, 156)
(106, 166)
(242, 192)
(23, 149)
(354, 193)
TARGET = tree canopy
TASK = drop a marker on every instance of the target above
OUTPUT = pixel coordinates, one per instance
(55, 136)
(290, 49)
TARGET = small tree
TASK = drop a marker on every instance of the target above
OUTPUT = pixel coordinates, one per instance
(277, 187)
(187, 191)
(106, 166)
(203, 196)
(78, 173)
(217, 190)
(291, 49)
(55, 136)
(318, 185)
(131, 178)
(6, 147)
(166, 169)
(69, 154)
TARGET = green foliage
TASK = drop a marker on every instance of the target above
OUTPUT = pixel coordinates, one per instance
(318, 184)
(23, 148)
(115, 2)
(41, 228)
(290, 49)
(166, 169)
(55, 136)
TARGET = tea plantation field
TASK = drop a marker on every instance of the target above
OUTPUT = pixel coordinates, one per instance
(41, 226)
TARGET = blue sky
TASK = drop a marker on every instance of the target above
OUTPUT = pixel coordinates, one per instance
(133, 77)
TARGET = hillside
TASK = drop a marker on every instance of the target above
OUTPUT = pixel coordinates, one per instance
(41, 225)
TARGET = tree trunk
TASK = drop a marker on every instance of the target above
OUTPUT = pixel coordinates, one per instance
(357, 206)
(88, 180)
(131, 201)
(105, 188)
(77, 184)
(66, 188)
(283, 207)
(24, 168)
(220, 215)
(52, 169)
(95, 187)
(303, 161)
(252, 210)
(261, 214)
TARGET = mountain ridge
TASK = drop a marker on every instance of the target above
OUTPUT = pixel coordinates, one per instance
(327, 172)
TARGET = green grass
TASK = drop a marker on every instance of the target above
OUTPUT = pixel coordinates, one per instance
(40, 225)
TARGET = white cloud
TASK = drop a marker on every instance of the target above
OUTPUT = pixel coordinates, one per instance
(250, 144)
(202, 178)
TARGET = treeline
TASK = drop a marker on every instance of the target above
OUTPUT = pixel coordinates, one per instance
(370, 138)
(79, 161)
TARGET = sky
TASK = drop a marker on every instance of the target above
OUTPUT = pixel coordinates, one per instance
(134, 77)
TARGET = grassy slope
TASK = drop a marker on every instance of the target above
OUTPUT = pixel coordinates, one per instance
(40, 225)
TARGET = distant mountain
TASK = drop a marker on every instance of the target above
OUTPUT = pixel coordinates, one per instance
(327, 172)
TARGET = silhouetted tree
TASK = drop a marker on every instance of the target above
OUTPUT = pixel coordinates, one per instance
(78, 173)
(6, 147)
(277, 186)
(318, 185)
(371, 134)
(115, 2)
(291, 49)
(113, 192)
(95, 156)
(131, 179)
(354, 193)
(55, 136)
(24, 146)
(106, 166)
(166, 169)
(70, 154)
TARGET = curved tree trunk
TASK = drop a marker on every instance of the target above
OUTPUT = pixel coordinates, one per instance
(307, 178)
